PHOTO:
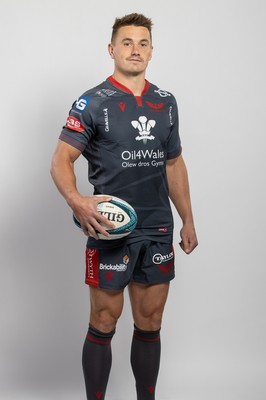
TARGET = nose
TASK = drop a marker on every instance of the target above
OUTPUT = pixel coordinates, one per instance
(135, 50)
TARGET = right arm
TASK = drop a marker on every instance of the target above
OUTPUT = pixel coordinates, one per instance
(84, 207)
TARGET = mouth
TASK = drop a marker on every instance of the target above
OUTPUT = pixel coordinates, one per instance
(134, 59)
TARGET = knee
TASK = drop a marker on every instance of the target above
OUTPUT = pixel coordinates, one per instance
(103, 320)
(149, 321)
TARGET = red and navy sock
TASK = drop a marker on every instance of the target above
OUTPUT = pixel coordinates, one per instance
(96, 362)
(145, 361)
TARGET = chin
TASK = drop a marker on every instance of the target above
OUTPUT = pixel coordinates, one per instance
(136, 71)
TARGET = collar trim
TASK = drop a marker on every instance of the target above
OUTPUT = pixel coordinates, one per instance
(124, 88)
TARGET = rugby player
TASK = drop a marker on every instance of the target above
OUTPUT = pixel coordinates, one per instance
(127, 129)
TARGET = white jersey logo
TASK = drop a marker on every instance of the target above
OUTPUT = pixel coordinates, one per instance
(144, 127)
(81, 104)
(162, 93)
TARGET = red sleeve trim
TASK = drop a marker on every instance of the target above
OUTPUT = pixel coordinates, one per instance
(72, 142)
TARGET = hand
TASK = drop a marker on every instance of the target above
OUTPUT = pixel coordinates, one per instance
(188, 238)
(90, 219)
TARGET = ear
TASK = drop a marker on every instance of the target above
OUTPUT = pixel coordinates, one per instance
(111, 50)
(151, 53)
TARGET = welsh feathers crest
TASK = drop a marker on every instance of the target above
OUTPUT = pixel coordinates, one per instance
(144, 127)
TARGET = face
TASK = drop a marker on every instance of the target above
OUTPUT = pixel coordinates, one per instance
(131, 50)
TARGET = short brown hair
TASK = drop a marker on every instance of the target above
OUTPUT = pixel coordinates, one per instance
(131, 19)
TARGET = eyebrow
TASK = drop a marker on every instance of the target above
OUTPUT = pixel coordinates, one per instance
(131, 40)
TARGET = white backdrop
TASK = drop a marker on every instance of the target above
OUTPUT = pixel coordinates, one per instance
(211, 55)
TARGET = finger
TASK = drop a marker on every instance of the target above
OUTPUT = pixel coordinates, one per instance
(105, 223)
(89, 231)
(94, 228)
(100, 198)
(101, 218)
(186, 244)
(189, 246)
(100, 229)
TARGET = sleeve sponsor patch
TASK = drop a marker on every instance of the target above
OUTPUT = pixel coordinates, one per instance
(74, 124)
(82, 103)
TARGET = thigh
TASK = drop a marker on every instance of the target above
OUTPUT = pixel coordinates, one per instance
(105, 308)
(147, 303)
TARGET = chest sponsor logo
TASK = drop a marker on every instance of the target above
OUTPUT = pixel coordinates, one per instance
(74, 124)
(155, 107)
(82, 103)
(144, 126)
(142, 158)
(162, 93)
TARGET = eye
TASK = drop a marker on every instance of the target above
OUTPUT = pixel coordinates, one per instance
(144, 44)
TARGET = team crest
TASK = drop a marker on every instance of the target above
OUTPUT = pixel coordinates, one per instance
(144, 126)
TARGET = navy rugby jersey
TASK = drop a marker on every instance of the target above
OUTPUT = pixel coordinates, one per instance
(127, 140)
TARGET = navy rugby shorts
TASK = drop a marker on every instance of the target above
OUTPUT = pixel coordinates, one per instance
(114, 267)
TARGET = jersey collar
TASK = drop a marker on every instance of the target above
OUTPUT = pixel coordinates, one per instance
(124, 88)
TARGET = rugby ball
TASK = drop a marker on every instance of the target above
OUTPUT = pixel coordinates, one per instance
(118, 211)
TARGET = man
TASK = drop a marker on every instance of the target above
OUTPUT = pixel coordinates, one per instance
(127, 129)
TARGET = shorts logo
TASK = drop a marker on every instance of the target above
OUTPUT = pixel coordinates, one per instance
(144, 128)
(116, 267)
(125, 259)
(166, 269)
(92, 252)
(113, 267)
(82, 103)
(159, 258)
(74, 124)
(109, 275)
(92, 262)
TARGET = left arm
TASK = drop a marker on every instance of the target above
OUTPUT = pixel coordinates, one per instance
(179, 194)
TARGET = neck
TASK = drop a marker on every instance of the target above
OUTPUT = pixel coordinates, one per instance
(135, 83)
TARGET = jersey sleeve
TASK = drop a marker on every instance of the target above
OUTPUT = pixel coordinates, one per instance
(79, 126)
(174, 148)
